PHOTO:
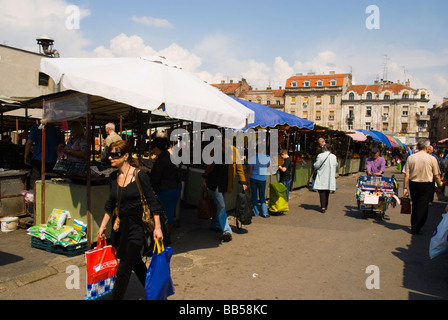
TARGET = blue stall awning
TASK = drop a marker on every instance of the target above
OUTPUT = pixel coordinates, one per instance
(266, 117)
(377, 135)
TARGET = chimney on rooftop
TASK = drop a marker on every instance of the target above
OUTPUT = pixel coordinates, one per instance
(46, 46)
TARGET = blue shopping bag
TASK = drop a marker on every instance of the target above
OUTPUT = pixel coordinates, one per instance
(158, 284)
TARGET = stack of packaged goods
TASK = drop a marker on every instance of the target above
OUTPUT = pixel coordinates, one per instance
(56, 232)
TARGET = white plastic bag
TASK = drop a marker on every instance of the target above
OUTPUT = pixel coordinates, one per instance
(439, 240)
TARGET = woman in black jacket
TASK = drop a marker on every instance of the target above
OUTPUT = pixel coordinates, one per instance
(165, 181)
(129, 236)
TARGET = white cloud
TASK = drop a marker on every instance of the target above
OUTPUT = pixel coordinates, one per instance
(188, 61)
(134, 46)
(220, 56)
(22, 22)
(155, 22)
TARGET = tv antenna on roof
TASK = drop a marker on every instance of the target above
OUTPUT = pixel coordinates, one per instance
(385, 70)
(405, 73)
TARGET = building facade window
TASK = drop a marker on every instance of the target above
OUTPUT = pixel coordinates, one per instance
(404, 127)
(351, 96)
(405, 112)
(368, 111)
(351, 113)
(332, 99)
(43, 79)
(369, 95)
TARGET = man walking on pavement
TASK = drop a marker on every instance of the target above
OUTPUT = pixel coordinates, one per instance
(420, 171)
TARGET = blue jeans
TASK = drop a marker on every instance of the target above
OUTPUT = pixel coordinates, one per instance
(259, 187)
(287, 184)
(220, 218)
(169, 199)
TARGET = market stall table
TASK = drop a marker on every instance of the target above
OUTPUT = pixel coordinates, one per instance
(72, 197)
(12, 184)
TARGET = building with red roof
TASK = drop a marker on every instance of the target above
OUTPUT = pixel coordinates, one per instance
(317, 97)
(394, 108)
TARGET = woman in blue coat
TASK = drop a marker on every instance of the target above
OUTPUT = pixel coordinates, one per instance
(326, 165)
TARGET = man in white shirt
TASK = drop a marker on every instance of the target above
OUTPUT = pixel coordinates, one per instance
(421, 170)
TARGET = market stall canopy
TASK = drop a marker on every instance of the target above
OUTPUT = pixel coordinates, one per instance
(395, 142)
(377, 136)
(14, 116)
(357, 136)
(149, 83)
(266, 117)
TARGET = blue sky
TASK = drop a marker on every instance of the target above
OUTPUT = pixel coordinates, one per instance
(263, 41)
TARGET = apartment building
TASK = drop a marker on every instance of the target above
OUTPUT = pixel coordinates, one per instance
(317, 97)
(393, 108)
(439, 121)
(231, 88)
(274, 98)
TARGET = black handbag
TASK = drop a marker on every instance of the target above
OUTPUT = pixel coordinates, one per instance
(206, 207)
(243, 209)
(405, 205)
(314, 174)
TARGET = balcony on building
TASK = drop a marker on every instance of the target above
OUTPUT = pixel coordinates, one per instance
(423, 117)
(423, 134)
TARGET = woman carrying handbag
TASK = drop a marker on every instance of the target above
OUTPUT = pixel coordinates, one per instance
(326, 165)
(124, 209)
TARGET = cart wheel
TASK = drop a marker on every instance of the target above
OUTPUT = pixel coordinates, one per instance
(364, 214)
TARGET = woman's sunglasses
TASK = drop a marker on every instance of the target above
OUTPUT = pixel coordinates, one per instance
(116, 155)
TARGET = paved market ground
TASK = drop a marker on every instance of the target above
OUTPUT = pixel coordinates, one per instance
(304, 254)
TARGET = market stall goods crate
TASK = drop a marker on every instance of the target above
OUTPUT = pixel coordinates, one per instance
(69, 251)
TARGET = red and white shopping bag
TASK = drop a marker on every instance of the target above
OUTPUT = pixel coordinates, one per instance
(101, 267)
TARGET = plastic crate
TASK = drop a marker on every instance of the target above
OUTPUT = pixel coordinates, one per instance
(69, 251)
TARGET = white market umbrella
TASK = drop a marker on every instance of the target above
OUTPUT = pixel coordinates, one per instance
(147, 83)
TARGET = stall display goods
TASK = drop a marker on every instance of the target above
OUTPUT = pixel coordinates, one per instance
(376, 194)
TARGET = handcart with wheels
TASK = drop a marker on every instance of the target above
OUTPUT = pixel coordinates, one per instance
(376, 194)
